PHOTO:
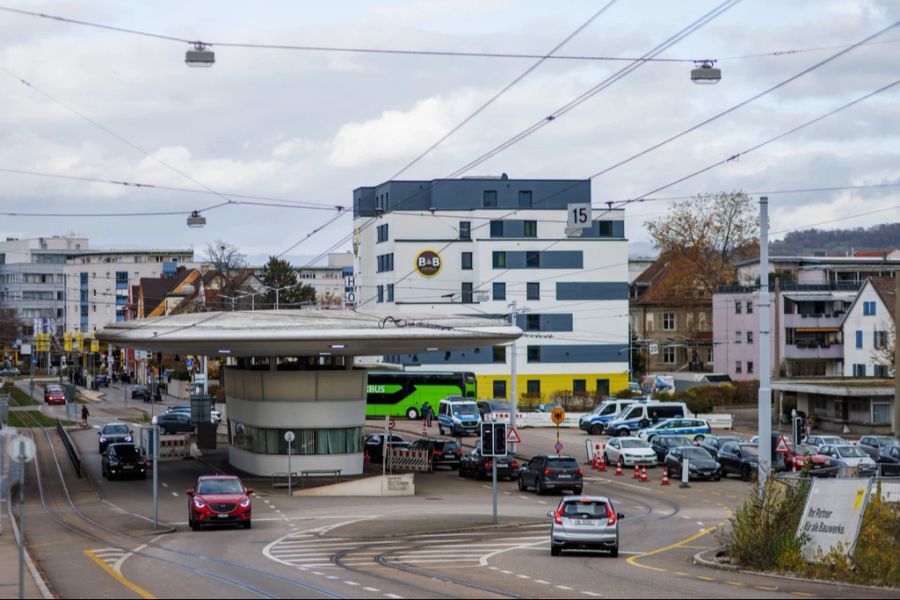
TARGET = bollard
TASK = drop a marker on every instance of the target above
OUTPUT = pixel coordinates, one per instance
(644, 474)
(685, 473)
(665, 478)
(637, 472)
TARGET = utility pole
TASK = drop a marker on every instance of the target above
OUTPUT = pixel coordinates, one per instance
(765, 370)
(513, 360)
(896, 420)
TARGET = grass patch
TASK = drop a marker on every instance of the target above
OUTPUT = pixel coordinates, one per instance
(18, 397)
(18, 419)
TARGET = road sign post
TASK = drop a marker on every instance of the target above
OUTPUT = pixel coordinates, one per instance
(494, 445)
(23, 451)
(289, 438)
(558, 415)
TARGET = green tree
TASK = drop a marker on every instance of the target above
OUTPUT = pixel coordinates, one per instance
(280, 275)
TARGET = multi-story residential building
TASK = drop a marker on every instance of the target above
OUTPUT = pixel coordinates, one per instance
(329, 280)
(672, 325)
(32, 281)
(476, 246)
(867, 329)
(821, 270)
(98, 282)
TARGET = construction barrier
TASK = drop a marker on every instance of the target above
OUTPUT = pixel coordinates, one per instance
(542, 419)
(409, 460)
(174, 446)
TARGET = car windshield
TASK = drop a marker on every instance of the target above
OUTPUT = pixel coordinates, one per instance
(468, 410)
(675, 442)
(724, 439)
(883, 442)
(832, 441)
(115, 429)
(806, 450)
(585, 510)
(696, 453)
(750, 450)
(54, 388)
(851, 452)
(500, 405)
(126, 451)
(634, 444)
(220, 486)
(562, 463)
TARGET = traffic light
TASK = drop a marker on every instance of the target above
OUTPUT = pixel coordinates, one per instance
(493, 439)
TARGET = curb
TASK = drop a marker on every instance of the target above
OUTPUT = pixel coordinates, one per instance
(38, 578)
(473, 529)
(700, 559)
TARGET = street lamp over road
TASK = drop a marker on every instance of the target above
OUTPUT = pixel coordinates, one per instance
(200, 56)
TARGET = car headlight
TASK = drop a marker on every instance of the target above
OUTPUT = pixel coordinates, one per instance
(245, 502)
(128, 438)
(199, 503)
(102, 439)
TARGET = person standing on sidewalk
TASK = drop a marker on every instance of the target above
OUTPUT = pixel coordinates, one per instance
(84, 416)
(427, 414)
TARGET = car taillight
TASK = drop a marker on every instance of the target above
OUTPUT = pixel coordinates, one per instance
(458, 452)
(547, 471)
(514, 464)
(557, 516)
(581, 471)
(435, 452)
(610, 516)
(488, 464)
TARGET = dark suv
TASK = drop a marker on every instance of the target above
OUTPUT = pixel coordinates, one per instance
(551, 472)
(444, 452)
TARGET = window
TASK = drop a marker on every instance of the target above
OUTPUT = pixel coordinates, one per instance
(499, 291)
(669, 355)
(869, 308)
(749, 308)
(499, 354)
(385, 262)
(534, 354)
(530, 229)
(306, 441)
(382, 233)
(737, 367)
(605, 229)
(466, 292)
(489, 199)
(881, 414)
(881, 371)
(496, 229)
(533, 290)
(879, 339)
(579, 387)
(859, 338)
(465, 230)
(499, 260)
(737, 307)
(380, 291)
(533, 259)
(524, 199)
(533, 387)
(738, 336)
(749, 337)
(859, 370)
(669, 322)
(532, 322)
(467, 261)
(603, 387)
(390, 292)
(749, 367)
(499, 388)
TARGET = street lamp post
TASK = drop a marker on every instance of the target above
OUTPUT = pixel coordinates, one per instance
(155, 422)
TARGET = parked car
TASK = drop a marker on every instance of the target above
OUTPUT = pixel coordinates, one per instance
(551, 472)
(714, 443)
(640, 416)
(594, 421)
(798, 457)
(54, 394)
(585, 523)
(459, 416)
(697, 429)
(102, 380)
(175, 423)
(631, 450)
(140, 392)
(444, 452)
(739, 458)
(10, 372)
(486, 407)
(662, 444)
(874, 444)
(477, 466)
(215, 417)
(826, 440)
(123, 460)
(373, 445)
(701, 464)
(218, 499)
(114, 433)
(889, 461)
(850, 457)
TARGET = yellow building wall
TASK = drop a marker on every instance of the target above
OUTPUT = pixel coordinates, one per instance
(551, 383)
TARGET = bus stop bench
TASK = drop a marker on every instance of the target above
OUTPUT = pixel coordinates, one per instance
(306, 474)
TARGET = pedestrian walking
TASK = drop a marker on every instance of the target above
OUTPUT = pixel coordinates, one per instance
(427, 414)
(84, 416)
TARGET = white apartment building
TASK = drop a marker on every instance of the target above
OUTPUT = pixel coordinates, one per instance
(329, 281)
(98, 283)
(867, 327)
(474, 246)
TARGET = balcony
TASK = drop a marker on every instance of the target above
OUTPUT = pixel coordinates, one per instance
(808, 351)
(813, 321)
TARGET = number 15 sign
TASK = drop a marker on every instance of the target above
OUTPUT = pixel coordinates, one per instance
(579, 216)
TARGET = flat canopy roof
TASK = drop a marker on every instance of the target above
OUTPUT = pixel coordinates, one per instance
(305, 333)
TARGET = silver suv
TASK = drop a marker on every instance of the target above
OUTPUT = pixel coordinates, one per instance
(585, 522)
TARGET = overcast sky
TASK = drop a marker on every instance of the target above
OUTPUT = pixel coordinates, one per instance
(312, 126)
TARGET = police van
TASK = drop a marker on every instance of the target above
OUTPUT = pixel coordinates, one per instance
(459, 416)
(594, 421)
(641, 416)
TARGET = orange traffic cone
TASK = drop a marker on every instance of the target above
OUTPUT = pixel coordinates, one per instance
(644, 474)
(619, 467)
(595, 464)
(603, 464)
(637, 472)
(665, 479)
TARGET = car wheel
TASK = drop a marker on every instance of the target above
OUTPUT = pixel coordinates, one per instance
(194, 525)
(614, 552)
(577, 491)
(521, 484)
(699, 438)
(745, 473)
(247, 524)
(596, 429)
(144, 476)
(717, 478)
(555, 550)
(539, 488)
(412, 414)
(624, 432)
(606, 458)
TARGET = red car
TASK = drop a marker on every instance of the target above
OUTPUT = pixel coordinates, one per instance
(54, 394)
(219, 499)
(795, 459)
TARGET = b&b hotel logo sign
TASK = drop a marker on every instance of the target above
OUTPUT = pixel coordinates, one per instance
(428, 263)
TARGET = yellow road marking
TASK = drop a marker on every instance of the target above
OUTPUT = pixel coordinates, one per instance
(806, 594)
(735, 583)
(766, 588)
(633, 560)
(682, 574)
(705, 578)
(112, 573)
(696, 547)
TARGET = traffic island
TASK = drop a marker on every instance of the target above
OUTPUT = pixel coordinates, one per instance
(379, 486)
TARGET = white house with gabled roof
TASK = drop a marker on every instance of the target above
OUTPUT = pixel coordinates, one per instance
(867, 326)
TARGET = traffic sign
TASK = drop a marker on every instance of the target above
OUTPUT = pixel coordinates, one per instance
(782, 446)
(558, 446)
(392, 423)
(513, 436)
(654, 349)
(289, 436)
(558, 415)
(22, 449)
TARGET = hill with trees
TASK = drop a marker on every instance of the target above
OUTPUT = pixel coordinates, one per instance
(818, 241)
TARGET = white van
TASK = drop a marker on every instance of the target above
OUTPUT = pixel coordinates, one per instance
(639, 416)
(459, 416)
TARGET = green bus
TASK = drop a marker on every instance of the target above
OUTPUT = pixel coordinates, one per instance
(402, 393)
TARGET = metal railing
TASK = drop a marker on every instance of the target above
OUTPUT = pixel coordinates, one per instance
(70, 448)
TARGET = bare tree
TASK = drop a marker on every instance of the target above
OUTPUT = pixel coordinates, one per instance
(885, 356)
(226, 258)
(707, 234)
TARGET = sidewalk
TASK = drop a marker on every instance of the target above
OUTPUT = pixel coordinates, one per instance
(9, 548)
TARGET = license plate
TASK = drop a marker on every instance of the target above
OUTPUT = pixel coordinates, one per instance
(564, 476)
(448, 456)
(128, 468)
(223, 515)
(585, 522)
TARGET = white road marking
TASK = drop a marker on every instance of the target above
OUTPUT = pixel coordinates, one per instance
(393, 596)
(350, 582)
(564, 587)
(164, 484)
(592, 594)
(330, 577)
(175, 494)
(523, 576)
(371, 589)
(505, 572)
(542, 582)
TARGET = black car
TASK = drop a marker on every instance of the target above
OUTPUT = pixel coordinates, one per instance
(740, 459)
(478, 466)
(123, 460)
(486, 407)
(663, 444)
(444, 452)
(175, 423)
(889, 461)
(140, 392)
(114, 433)
(714, 443)
(373, 445)
(701, 464)
(873, 445)
(551, 472)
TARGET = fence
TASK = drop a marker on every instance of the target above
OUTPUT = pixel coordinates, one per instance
(70, 449)
(409, 460)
